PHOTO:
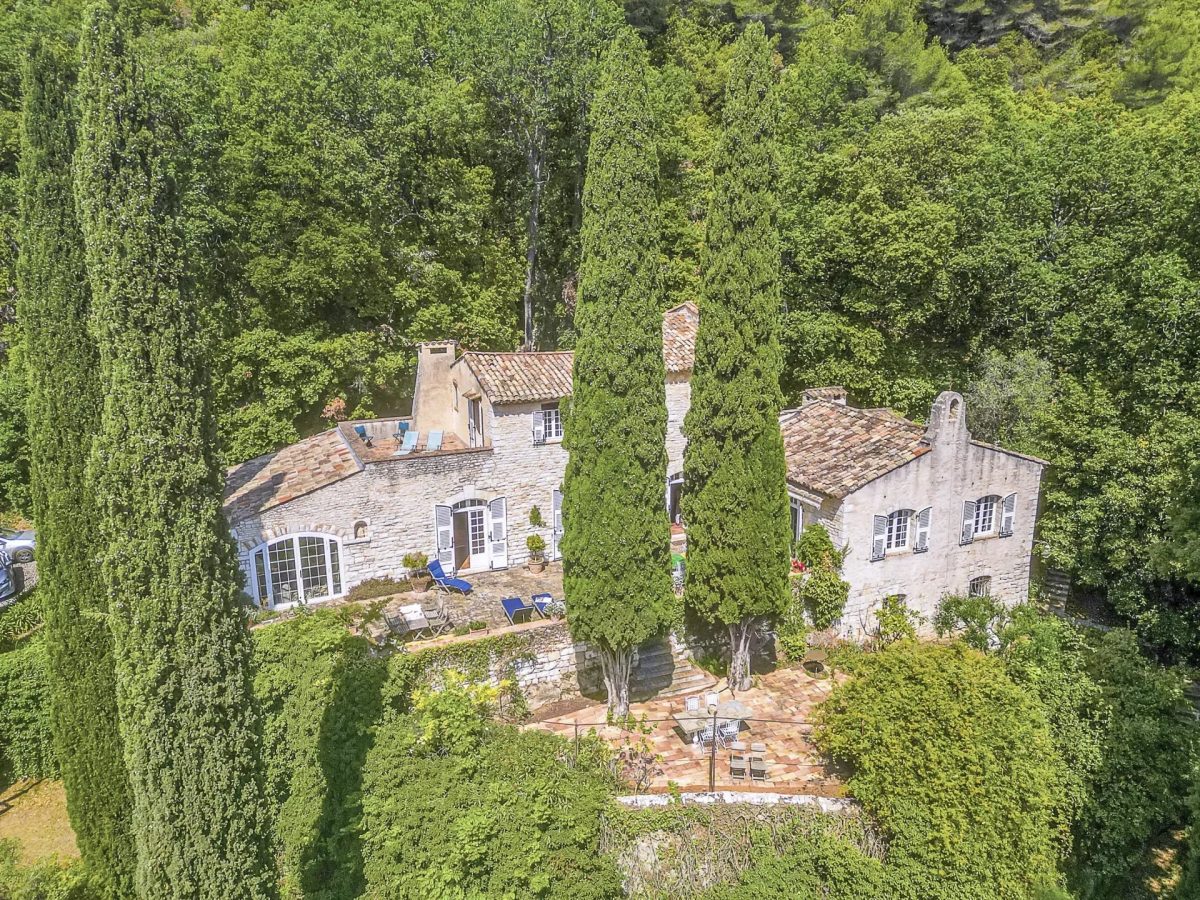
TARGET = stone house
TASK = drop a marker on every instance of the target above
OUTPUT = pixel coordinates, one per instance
(478, 467)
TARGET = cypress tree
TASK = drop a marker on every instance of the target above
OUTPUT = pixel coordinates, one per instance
(63, 416)
(616, 544)
(735, 494)
(191, 736)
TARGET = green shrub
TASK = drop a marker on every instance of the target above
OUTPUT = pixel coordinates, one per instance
(415, 562)
(815, 549)
(46, 880)
(791, 633)
(980, 619)
(535, 518)
(894, 621)
(19, 619)
(956, 764)
(817, 866)
(26, 744)
(455, 807)
(823, 594)
(377, 587)
(535, 543)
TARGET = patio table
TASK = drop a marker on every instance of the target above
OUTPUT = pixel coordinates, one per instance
(729, 711)
(415, 617)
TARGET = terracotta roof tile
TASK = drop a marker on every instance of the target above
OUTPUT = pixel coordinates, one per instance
(522, 377)
(835, 449)
(679, 337)
(525, 377)
(298, 469)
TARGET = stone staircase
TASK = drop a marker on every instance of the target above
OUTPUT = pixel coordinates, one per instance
(663, 673)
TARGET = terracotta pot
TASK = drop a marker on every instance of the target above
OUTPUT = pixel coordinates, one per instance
(537, 566)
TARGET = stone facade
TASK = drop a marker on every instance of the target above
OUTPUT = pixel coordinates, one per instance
(471, 502)
(957, 469)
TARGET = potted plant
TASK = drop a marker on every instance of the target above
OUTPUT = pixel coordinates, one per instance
(537, 552)
(416, 565)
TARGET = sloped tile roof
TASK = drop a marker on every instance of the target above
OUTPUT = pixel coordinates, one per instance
(835, 449)
(679, 337)
(522, 377)
(293, 471)
(526, 377)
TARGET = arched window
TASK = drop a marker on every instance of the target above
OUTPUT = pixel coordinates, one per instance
(899, 529)
(985, 515)
(299, 568)
(980, 587)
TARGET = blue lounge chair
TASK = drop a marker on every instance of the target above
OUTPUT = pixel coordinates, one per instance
(361, 431)
(409, 444)
(543, 603)
(444, 581)
(401, 430)
(515, 609)
(434, 441)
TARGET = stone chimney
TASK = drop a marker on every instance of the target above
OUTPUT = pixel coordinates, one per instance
(433, 393)
(947, 420)
(834, 394)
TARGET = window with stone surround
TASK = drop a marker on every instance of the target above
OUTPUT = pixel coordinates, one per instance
(980, 587)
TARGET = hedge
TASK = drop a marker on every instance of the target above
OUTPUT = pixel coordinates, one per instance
(26, 745)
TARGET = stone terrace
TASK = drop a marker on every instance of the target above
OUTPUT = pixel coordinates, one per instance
(793, 765)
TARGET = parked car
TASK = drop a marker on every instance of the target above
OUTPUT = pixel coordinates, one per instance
(8, 582)
(19, 544)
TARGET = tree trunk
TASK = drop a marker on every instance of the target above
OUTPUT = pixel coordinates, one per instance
(535, 160)
(739, 658)
(616, 665)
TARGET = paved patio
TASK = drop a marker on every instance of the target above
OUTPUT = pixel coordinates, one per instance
(782, 705)
(488, 589)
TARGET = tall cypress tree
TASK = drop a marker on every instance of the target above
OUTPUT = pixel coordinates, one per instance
(616, 543)
(735, 494)
(192, 739)
(63, 416)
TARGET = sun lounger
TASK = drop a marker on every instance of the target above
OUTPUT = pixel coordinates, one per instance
(444, 581)
(758, 769)
(544, 604)
(409, 444)
(433, 442)
(515, 609)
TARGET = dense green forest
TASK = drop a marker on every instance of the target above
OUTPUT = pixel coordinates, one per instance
(999, 197)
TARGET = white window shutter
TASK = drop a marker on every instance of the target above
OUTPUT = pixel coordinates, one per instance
(539, 427)
(556, 524)
(443, 518)
(879, 539)
(923, 519)
(1008, 515)
(968, 522)
(498, 511)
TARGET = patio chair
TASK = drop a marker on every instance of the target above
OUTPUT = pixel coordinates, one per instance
(437, 617)
(737, 767)
(515, 608)
(444, 581)
(728, 731)
(692, 704)
(409, 444)
(545, 605)
(401, 430)
(712, 698)
(433, 442)
(361, 431)
(706, 736)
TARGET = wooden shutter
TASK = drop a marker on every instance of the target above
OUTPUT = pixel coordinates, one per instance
(443, 518)
(879, 539)
(968, 522)
(556, 523)
(498, 511)
(1008, 515)
(539, 427)
(923, 517)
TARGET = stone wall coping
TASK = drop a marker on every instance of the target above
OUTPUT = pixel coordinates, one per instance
(446, 640)
(754, 798)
